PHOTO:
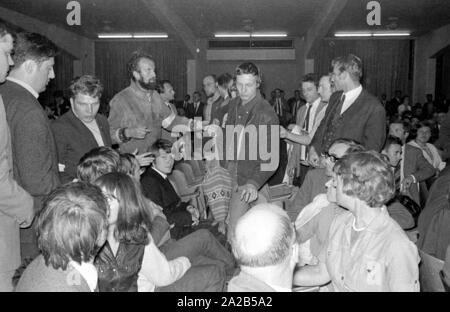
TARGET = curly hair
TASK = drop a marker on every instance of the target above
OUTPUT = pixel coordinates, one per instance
(366, 176)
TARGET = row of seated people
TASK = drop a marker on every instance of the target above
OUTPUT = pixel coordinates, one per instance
(127, 242)
(121, 245)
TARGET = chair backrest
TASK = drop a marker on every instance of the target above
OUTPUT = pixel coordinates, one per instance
(187, 170)
(196, 167)
(178, 179)
(429, 268)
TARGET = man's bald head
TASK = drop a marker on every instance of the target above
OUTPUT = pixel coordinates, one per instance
(263, 237)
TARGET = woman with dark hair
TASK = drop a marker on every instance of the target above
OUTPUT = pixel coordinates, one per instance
(71, 228)
(130, 260)
(366, 249)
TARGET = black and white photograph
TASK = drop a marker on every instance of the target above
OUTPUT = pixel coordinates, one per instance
(238, 147)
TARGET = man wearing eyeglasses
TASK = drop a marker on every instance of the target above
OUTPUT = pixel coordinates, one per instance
(315, 179)
(352, 112)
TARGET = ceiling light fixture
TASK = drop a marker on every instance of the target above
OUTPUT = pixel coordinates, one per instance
(356, 34)
(247, 35)
(130, 36)
(138, 36)
(269, 35)
(231, 35)
(373, 34)
(115, 36)
(390, 34)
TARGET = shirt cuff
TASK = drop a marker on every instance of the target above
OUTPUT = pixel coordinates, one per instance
(166, 122)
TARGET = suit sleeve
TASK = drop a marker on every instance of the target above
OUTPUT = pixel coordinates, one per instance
(115, 118)
(33, 157)
(424, 169)
(61, 147)
(15, 202)
(317, 139)
(375, 129)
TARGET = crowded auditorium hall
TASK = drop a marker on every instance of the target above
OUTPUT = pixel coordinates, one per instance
(192, 147)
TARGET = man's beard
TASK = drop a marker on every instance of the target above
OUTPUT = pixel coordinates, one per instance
(151, 85)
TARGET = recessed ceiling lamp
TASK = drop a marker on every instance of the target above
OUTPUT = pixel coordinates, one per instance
(271, 35)
(232, 35)
(391, 34)
(115, 36)
(130, 36)
(373, 34)
(247, 35)
(150, 36)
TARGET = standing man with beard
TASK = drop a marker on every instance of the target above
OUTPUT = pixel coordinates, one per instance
(137, 112)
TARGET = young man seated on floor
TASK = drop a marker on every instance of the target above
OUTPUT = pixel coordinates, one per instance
(157, 187)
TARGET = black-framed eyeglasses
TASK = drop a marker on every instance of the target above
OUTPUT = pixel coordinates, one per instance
(333, 158)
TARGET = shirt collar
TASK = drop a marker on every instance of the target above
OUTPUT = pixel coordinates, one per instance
(353, 94)
(160, 173)
(88, 272)
(315, 103)
(249, 106)
(25, 85)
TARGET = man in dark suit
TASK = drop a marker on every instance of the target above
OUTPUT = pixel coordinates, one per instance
(393, 104)
(196, 108)
(35, 163)
(281, 108)
(16, 205)
(415, 169)
(352, 112)
(157, 187)
(81, 129)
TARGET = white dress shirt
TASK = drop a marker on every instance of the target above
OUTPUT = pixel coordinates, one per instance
(95, 130)
(350, 97)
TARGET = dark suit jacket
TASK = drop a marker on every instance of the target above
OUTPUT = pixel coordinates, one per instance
(33, 145)
(364, 121)
(437, 203)
(192, 112)
(415, 164)
(74, 139)
(162, 193)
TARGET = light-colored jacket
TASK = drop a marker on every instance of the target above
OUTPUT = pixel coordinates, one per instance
(16, 205)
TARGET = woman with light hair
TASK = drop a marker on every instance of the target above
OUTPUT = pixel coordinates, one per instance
(366, 249)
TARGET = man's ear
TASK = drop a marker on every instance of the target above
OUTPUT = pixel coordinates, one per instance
(29, 66)
(136, 75)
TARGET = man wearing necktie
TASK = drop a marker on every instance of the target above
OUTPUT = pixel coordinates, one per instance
(306, 124)
(352, 113)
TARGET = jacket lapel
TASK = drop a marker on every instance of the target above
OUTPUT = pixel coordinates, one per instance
(86, 134)
(103, 132)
